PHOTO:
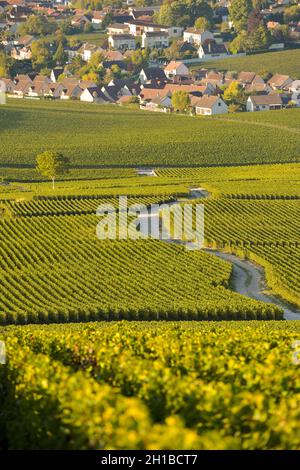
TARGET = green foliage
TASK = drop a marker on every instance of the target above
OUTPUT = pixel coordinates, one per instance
(4, 65)
(52, 164)
(37, 25)
(151, 386)
(234, 93)
(184, 12)
(60, 57)
(202, 23)
(239, 11)
(291, 14)
(180, 100)
(41, 54)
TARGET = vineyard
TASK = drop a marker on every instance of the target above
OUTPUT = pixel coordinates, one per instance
(159, 385)
(139, 138)
(284, 62)
(54, 269)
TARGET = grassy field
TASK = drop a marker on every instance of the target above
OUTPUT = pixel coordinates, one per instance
(131, 385)
(284, 62)
(110, 136)
(96, 37)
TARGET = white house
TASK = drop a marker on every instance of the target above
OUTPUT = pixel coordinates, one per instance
(118, 28)
(211, 50)
(176, 68)
(196, 36)
(209, 105)
(97, 19)
(157, 39)
(121, 41)
(264, 102)
(93, 95)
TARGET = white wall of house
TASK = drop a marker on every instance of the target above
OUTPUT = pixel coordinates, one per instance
(120, 43)
(180, 70)
(157, 41)
(219, 107)
(197, 38)
(210, 56)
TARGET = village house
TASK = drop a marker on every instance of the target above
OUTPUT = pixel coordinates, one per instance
(121, 41)
(158, 103)
(155, 39)
(196, 36)
(25, 41)
(54, 90)
(248, 78)
(21, 53)
(210, 105)
(150, 75)
(94, 95)
(80, 20)
(280, 82)
(118, 28)
(211, 50)
(264, 102)
(137, 28)
(175, 68)
(87, 50)
(55, 73)
(71, 91)
(97, 19)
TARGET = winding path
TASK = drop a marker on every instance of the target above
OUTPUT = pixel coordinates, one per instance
(248, 278)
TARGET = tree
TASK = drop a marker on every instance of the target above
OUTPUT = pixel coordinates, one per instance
(184, 12)
(239, 11)
(180, 100)
(234, 93)
(41, 54)
(37, 25)
(60, 57)
(52, 164)
(202, 23)
(4, 65)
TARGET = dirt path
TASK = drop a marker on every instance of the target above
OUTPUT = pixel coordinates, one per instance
(248, 278)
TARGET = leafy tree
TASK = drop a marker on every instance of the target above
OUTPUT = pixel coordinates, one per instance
(180, 100)
(202, 23)
(291, 13)
(281, 33)
(172, 52)
(4, 65)
(239, 11)
(60, 57)
(52, 164)
(224, 27)
(41, 54)
(239, 43)
(265, 75)
(139, 58)
(234, 108)
(234, 93)
(37, 25)
(184, 12)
